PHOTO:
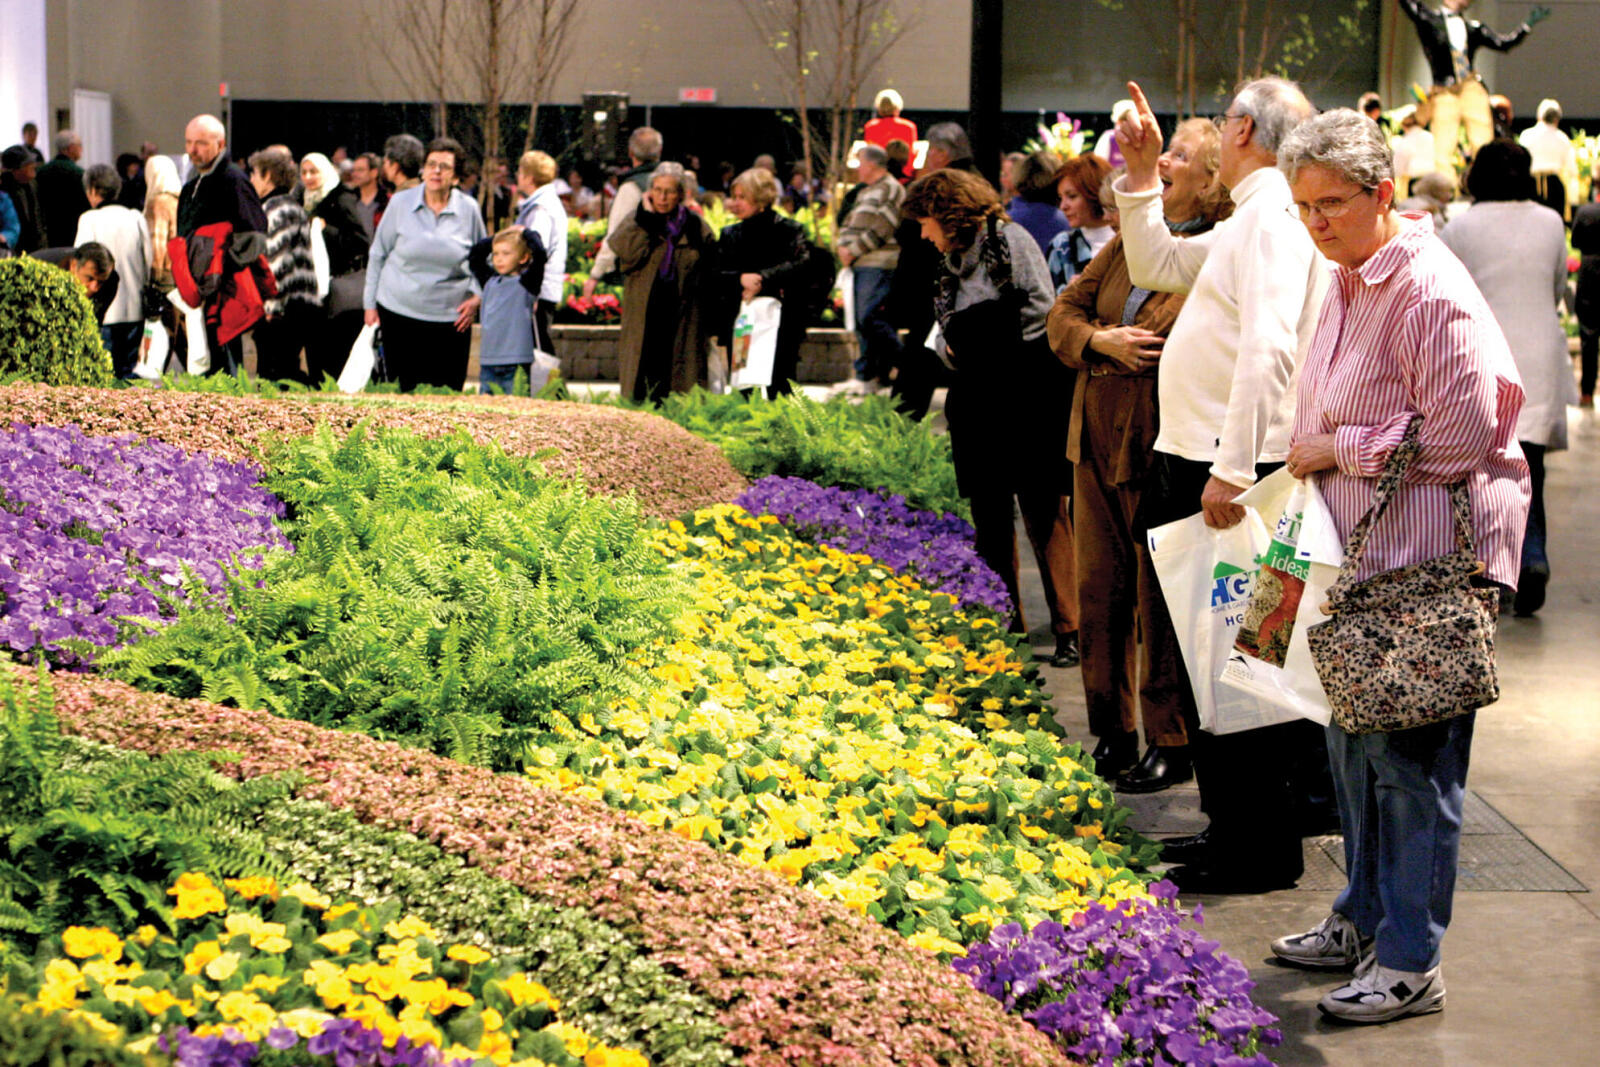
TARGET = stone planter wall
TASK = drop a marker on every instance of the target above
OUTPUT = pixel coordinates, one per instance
(589, 354)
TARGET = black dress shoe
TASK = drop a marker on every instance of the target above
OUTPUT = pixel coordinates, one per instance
(1114, 754)
(1228, 878)
(1161, 768)
(1193, 849)
(1531, 583)
(1066, 651)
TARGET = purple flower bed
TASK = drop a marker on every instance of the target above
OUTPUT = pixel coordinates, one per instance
(938, 550)
(341, 1042)
(95, 531)
(1114, 987)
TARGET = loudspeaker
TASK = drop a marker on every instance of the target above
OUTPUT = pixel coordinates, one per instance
(605, 121)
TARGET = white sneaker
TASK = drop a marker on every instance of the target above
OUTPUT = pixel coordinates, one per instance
(1378, 994)
(853, 387)
(1333, 944)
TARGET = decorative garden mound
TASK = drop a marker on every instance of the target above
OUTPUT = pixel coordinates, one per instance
(669, 470)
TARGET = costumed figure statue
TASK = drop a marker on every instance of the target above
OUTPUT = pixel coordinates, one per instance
(1458, 98)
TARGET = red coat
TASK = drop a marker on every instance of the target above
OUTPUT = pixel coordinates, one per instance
(206, 271)
(881, 131)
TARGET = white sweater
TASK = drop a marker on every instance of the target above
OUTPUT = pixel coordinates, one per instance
(124, 232)
(1255, 285)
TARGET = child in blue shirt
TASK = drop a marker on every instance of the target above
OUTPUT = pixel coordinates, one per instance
(510, 267)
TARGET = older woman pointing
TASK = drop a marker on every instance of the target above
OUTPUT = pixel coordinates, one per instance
(418, 284)
(1404, 333)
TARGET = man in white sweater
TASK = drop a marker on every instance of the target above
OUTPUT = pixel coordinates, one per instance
(1226, 390)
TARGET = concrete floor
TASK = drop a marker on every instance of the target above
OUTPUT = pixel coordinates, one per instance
(1522, 968)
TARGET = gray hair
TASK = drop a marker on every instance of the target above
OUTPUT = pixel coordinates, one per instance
(1345, 142)
(65, 139)
(96, 255)
(405, 152)
(952, 138)
(871, 153)
(644, 144)
(674, 171)
(103, 179)
(1277, 106)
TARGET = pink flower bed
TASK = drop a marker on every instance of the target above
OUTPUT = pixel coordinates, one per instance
(800, 980)
(670, 470)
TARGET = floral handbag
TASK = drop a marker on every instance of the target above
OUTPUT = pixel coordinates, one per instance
(1413, 645)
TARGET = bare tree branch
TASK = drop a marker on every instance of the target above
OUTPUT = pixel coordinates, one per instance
(416, 39)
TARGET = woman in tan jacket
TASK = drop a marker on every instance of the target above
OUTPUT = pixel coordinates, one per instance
(662, 251)
(1112, 334)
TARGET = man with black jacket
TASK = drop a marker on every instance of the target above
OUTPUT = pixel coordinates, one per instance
(1451, 41)
(218, 192)
(916, 274)
(61, 195)
(17, 168)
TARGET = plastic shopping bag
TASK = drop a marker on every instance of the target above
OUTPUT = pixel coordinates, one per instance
(319, 258)
(1206, 576)
(153, 351)
(755, 343)
(1271, 656)
(358, 367)
(198, 358)
(846, 284)
(545, 366)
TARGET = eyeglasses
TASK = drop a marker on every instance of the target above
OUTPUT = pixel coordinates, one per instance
(1222, 120)
(1330, 207)
(434, 164)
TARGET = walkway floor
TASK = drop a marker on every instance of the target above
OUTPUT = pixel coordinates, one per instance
(1522, 967)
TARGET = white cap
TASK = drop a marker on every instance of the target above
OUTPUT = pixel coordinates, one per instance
(1119, 107)
(891, 96)
(1545, 105)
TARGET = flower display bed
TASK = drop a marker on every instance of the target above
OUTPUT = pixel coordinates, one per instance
(743, 797)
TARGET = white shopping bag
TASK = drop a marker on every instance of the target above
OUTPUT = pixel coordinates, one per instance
(1271, 657)
(153, 351)
(845, 282)
(198, 358)
(1206, 576)
(358, 367)
(755, 343)
(545, 366)
(319, 258)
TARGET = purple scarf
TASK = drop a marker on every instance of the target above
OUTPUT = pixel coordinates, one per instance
(675, 224)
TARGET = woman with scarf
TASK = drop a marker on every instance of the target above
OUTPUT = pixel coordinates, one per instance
(335, 216)
(662, 251)
(1009, 392)
(1111, 334)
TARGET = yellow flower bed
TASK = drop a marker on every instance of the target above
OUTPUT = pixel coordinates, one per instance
(844, 727)
(261, 963)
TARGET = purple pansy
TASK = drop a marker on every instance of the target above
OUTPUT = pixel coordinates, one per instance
(1115, 986)
(937, 550)
(96, 533)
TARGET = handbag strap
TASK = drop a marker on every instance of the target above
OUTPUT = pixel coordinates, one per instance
(1393, 474)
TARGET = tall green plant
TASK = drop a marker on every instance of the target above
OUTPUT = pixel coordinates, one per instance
(47, 328)
(440, 593)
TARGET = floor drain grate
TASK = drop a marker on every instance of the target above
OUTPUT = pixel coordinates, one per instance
(1495, 856)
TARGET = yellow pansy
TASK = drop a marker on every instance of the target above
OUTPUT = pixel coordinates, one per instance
(85, 941)
(223, 967)
(253, 887)
(929, 941)
(338, 941)
(410, 926)
(203, 953)
(523, 990)
(308, 895)
(197, 895)
(468, 954)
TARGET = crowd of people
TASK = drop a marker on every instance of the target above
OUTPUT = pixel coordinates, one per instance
(1127, 340)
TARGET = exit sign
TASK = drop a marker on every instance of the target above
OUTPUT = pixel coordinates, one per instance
(698, 95)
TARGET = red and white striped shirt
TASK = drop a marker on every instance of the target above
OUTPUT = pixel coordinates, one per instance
(1408, 333)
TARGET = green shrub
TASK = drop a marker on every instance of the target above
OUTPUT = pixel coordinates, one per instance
(441, 593)
(90, 836)
(34, 1039)
(851, 445)
(607, 984)
(47, 328)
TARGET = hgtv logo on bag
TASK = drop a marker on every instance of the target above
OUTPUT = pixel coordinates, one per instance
(1230, 592)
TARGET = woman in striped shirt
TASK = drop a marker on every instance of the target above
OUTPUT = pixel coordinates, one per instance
(1403, 332)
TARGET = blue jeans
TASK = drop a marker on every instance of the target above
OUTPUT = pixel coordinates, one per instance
(1400, 796)
(122, 340)
(503, 376)
(880, 342)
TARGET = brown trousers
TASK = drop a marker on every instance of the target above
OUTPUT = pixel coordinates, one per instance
(1120, 608)
(1046, 517)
